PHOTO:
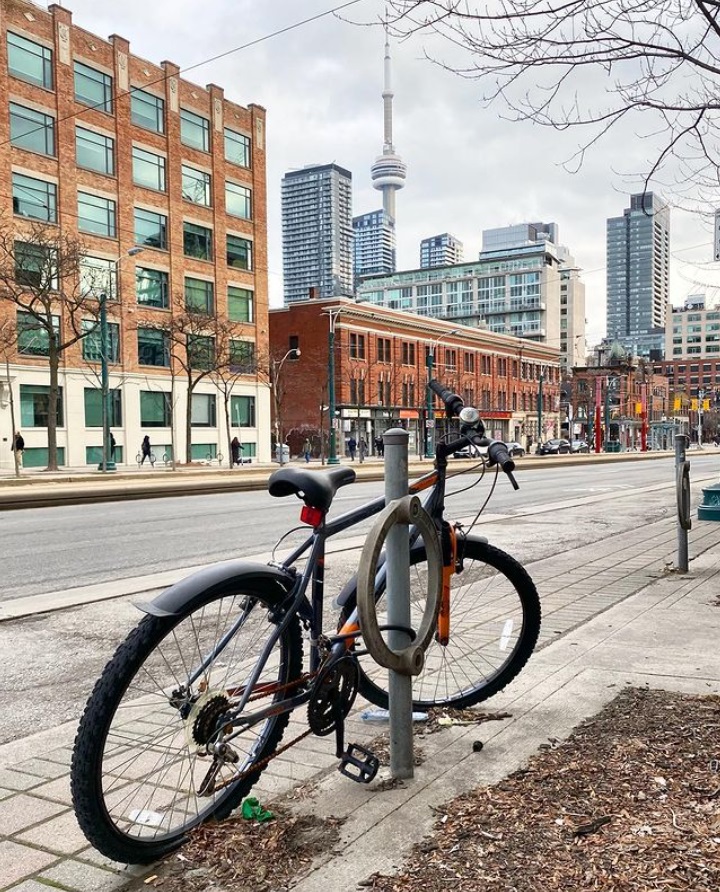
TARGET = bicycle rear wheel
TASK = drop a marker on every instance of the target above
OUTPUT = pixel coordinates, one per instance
(139, 761)
(494, 626)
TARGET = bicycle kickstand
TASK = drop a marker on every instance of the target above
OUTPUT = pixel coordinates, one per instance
(356, 762)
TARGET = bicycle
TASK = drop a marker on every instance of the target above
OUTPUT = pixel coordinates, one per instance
(139, 459)
(195, 702)
(210, 458)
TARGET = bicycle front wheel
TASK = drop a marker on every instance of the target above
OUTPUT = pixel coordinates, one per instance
(140, 764)
(494, 626)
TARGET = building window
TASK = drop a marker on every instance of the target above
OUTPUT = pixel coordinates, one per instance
(357, 391)
(194, 130)
(154, 409)
(408, 353)
(238, 201)
(94, 151)
(470, 363)
(34, 401)
(201, 352)
(96, 215)
(92, 342)
(32, 336)
(150, 229)
(196, 186)
(451, 359)
(240, 304)
(93, 407)
(199, 296)
(29, 61)
(151, 287)
(242, 411)
(93, 87)
(237, 148)
(35, 266)
(197, 241)
(357, 346)
(384, 348)
(148, 169)
(202, 411)
(34, 198)
(32, 130)
(242, 356)
(239, 252)
(147, 111)
(153, 347)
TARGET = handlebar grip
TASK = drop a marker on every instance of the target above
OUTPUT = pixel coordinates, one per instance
(453, 402)
(498, 455)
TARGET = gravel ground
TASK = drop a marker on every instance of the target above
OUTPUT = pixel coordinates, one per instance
(629, 803)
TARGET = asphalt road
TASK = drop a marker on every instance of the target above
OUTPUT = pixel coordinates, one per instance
(52, 549)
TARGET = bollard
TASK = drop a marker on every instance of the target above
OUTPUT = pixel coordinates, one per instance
(397, 550)
(682, 480)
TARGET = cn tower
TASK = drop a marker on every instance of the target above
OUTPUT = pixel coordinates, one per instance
(389, 170)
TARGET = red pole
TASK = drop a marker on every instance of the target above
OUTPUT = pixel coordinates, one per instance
(598, 402)
(644, 424)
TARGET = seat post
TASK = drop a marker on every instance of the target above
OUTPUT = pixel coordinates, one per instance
(318, 593)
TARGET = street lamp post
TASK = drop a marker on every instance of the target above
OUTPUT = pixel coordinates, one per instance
(277, 369)
(107, 463)
(430, 408)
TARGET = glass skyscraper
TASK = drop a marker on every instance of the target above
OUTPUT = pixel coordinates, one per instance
(638, 274)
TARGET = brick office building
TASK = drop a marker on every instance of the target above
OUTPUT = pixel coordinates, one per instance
(123, 152)
(381, 373)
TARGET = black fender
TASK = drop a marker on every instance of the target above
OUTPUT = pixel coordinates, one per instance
(232, 577)
(350, 586)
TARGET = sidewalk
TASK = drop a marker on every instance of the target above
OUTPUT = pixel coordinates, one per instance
(613, 614)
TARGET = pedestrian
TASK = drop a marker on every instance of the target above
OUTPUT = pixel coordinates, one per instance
(307, 449)
(380, 446)
(352, 447)
(19, 447)
(363, 449)
(235, 451)
(146, 450)
(112, 447)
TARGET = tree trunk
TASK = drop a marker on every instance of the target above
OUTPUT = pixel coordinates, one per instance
(226, 407)
(16, 459)
(54, 362)
(188, 423)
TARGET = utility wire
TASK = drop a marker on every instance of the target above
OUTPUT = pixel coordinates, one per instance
(223, 55)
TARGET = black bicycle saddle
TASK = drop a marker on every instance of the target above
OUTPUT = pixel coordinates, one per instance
(315, 488)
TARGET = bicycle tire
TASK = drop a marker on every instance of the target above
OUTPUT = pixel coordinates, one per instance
(504, 598)
(133, 806)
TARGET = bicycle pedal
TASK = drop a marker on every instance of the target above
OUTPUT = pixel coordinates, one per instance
(359, 764)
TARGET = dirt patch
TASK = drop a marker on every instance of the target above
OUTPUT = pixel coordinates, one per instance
(239, 854)
(629, 803)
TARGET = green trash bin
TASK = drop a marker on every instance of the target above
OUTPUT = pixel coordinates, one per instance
(612, 446)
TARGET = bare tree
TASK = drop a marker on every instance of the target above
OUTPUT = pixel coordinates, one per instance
(234, 360)
(657, 64)
(40, 275)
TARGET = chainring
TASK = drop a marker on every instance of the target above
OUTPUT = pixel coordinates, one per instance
(334, 692)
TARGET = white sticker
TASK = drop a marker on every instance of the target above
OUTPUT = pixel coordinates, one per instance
(506, 634)
(146, 818)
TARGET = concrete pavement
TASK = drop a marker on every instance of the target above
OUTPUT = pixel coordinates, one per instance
(615, 613)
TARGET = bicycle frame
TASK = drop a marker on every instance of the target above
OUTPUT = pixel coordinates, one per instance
(311, 610)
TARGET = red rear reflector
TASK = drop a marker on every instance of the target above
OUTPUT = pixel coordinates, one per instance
(311, 516)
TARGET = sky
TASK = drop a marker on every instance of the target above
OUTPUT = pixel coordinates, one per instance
(469, 168)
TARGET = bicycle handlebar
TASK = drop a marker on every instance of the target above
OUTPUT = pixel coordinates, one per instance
(497, 450)
(453, 403)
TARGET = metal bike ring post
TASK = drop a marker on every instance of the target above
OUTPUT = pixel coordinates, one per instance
(409, 660)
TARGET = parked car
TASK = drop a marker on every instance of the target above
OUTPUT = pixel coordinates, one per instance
(580, 446)
(515, 449)
(471, 452)
(554, 447)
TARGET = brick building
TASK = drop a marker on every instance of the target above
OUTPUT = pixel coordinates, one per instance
(123, 152)
(381, 373)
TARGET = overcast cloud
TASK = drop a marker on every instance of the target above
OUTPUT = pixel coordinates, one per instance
(468, 170)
